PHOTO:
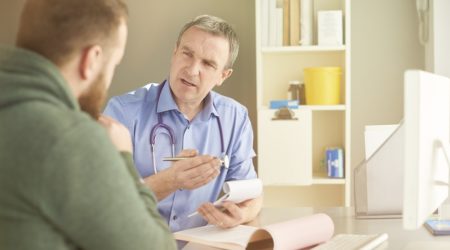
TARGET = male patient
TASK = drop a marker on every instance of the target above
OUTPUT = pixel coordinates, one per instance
(184, 113)
(66, 180)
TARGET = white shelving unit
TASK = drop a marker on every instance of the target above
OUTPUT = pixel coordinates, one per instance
(291, 152)
(300, 49)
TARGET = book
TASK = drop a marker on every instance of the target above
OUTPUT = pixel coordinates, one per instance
(438, 227)
(265, 23)
(335, 162)
(329, 27)
(292, 234)
(286, 29)
(277, 104)
(272, 22)
(306, 22)
(278, 27)
(294, 22)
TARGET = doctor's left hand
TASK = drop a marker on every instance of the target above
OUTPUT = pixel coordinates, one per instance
(227, 216)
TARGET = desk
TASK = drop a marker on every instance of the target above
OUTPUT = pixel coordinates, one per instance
(345, 222)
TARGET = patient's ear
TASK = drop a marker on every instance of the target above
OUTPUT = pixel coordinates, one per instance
(90, 62)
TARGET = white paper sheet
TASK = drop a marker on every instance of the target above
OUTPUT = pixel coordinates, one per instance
(238, 191)
(241, 190)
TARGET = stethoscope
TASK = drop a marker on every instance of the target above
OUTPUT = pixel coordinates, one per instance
(170, 132)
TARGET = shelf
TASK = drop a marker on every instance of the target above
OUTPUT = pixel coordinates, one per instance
(317, 180)
(325, 107)
(321, 178)
(340, 107)
(291, 152)
(290, 49)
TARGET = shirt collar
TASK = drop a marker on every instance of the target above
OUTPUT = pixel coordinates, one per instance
(208, 108)
(167, 103)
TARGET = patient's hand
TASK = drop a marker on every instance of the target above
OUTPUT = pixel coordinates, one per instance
(118, 133)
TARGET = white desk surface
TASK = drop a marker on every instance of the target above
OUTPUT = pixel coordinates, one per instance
(345, 222)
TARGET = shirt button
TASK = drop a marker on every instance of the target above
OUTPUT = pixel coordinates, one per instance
(174, 217)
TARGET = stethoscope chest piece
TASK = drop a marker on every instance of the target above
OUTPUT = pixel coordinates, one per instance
(225, 161)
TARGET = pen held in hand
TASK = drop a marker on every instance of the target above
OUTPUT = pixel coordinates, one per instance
(217, 204)
(195, 213)
(223, 162)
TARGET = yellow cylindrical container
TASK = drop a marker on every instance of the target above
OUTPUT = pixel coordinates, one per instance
(322, 85)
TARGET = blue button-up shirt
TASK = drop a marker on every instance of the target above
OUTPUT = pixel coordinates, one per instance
(139, 110)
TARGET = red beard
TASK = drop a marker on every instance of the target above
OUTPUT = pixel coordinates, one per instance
(92, 100)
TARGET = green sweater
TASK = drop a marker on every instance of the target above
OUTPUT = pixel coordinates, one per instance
(63, 185)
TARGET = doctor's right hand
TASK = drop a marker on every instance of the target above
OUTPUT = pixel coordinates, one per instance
(194, 172)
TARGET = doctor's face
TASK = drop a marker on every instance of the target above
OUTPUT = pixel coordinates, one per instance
(198, 65)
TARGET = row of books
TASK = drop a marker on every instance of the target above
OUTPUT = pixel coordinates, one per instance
(290, 23)
(280, 22)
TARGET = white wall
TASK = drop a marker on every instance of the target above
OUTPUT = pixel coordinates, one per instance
(384, 44)
(438, 45)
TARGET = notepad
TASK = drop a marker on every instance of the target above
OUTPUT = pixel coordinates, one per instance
(239, 191)
(292, 234)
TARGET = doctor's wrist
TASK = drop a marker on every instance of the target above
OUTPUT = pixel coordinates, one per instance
(168, 177)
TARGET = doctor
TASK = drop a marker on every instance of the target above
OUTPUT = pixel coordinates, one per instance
(183, 113)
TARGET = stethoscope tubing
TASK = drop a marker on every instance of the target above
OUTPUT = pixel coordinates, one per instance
(171, 133)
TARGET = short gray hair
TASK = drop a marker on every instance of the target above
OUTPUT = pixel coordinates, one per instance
(215, 26)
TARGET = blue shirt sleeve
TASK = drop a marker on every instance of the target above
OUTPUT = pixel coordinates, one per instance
(115, 109)
(242, 153)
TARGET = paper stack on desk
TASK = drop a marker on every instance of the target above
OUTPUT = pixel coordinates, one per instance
(292, 234)
(375, 136)
(381, 173)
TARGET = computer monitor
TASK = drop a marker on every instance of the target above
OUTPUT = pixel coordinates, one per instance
(426, 166)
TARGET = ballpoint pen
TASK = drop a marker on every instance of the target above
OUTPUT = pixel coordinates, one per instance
(223, 161)
(216, 204)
